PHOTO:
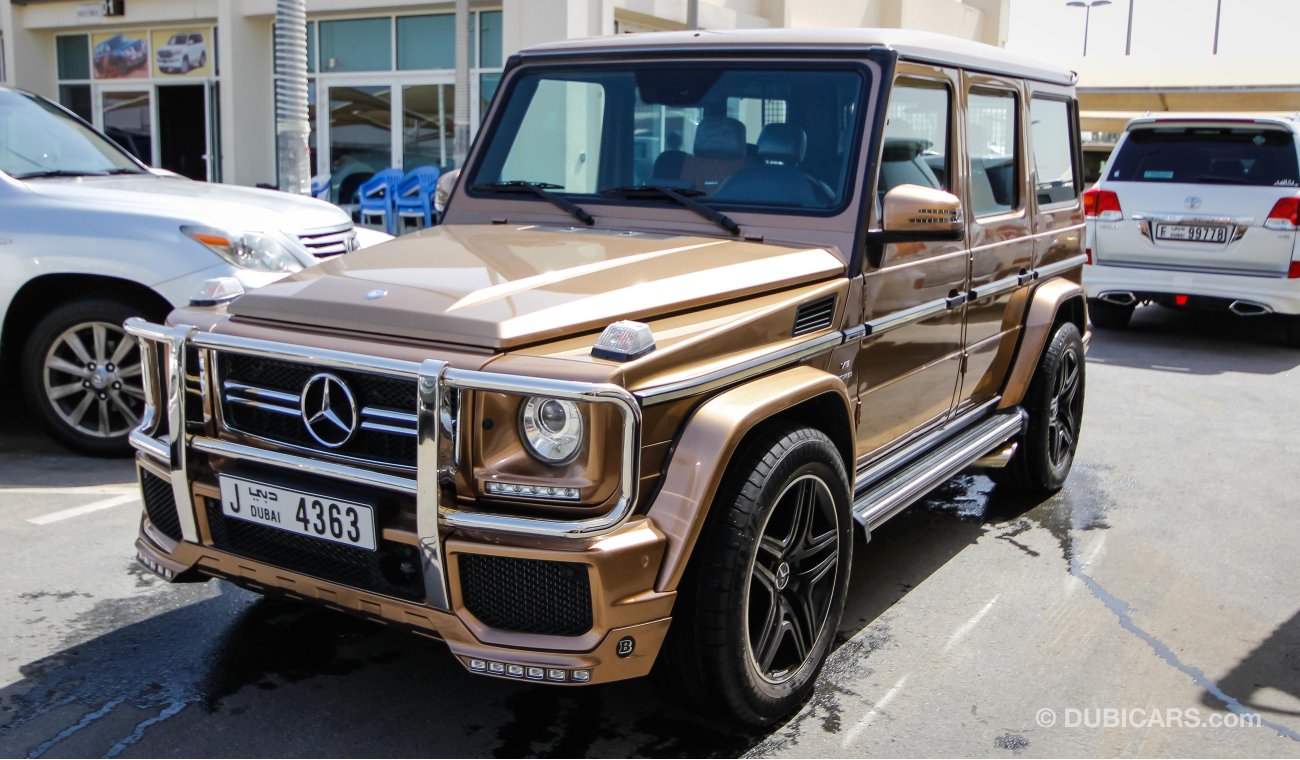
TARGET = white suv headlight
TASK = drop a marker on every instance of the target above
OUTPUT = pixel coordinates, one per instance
(248, 250)
(552, 428)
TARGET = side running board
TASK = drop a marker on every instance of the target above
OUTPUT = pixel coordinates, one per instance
(894, 492)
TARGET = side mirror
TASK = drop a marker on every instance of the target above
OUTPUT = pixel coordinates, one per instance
(914, 212)
(442, 190)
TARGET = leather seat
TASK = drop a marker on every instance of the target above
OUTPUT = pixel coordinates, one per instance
(777, 178)
(719, 153)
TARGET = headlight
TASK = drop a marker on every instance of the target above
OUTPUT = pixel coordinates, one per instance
(442, 190)
(552, 429)
(249, 250)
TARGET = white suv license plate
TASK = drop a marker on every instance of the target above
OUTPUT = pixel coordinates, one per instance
(1193, 233)
(307, 514)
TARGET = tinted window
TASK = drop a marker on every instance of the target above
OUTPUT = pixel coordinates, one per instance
(916, 137)
(364, 44)
(994, 152)
(1053, 150)
(73, 57)
(1215, 155)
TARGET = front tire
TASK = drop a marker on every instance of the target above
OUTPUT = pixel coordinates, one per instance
(1054, 403)
(81, 374)
(1109, 316)
(758, 610)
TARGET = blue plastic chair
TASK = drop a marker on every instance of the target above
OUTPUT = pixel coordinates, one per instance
(320, 186)
(376, 195)
(414, 196)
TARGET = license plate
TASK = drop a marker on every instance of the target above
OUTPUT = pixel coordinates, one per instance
(1192, 233)
(307, 514)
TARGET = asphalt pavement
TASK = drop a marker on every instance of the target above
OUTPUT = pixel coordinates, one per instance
(1151, 608)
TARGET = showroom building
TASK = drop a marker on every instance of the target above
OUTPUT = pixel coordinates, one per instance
(189, 85)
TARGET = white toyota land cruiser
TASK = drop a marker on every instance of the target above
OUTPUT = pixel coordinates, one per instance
(1197, 212)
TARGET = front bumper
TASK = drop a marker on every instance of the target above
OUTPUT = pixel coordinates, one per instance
(1280, 294)
(620, 555)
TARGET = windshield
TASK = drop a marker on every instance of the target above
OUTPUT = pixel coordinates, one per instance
(38, 138)
(782, 138)
(179, 39)
(1223, 155)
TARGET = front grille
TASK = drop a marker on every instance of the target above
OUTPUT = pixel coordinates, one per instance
(160, 504)
(262, 397)
(526, 595)
(329, 242)
(393, 570)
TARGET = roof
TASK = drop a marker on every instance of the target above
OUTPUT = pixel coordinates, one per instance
(914, 45)
(1271, 119)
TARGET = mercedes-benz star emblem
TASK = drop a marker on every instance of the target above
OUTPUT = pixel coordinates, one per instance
(329, 410)
(1193, 202)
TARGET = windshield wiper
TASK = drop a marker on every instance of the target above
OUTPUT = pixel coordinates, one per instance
(59, 173)
(682, 198)
(541, 190)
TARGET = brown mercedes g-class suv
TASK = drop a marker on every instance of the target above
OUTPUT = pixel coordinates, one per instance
(701, 304)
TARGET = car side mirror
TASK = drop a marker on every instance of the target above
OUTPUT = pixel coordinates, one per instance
(913, 212)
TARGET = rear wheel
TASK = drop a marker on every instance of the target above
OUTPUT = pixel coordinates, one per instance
(759, 609)
(1109, 316)
(82, 376)
(1054, 404)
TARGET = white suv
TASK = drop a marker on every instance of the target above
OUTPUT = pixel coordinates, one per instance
(89, 236)
(182, 53)
(1197, 212)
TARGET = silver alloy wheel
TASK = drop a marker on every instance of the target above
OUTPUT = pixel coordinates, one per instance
(790, 586)
(92, 379)
(1065, 410)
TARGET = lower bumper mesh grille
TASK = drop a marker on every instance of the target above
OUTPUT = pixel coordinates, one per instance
(160, 504)
(526, 595)
(394, 570)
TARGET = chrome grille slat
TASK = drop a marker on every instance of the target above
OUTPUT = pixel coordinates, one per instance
(329, 242)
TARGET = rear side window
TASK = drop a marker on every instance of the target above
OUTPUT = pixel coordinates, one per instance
(994, 152)
(1053, 153)
(1208, 155)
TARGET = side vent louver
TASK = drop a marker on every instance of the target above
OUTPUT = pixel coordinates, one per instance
(814, 316)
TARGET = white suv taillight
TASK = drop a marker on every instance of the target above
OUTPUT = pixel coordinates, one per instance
(1285, 215)
(1102, 204)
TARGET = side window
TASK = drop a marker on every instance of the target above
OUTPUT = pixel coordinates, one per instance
(1053, 154)
(917, 136)
(994, 152)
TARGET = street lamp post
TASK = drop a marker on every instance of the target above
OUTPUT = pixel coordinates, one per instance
(1087, 6)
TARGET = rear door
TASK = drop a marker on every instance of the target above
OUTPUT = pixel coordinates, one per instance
(1195, 196)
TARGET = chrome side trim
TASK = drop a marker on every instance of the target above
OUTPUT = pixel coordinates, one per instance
(428, 482)
(743, 371)
(997, 287)
(265, 406)
(262, 393)
(304, 465)
(380, 427)
(1061, 267)
(906, 316)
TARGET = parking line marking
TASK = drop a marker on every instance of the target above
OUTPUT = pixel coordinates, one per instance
(857, 730)
(969, 625)
(94, 506)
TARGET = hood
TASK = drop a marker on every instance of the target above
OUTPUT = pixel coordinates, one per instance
(498, 286)
(231, 207)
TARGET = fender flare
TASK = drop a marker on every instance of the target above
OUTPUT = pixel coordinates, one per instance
(706, 446)
(1046, 303)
